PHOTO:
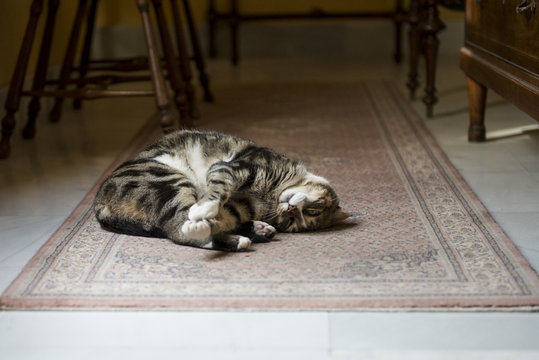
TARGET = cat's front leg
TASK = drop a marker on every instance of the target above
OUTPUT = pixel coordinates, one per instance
(222, 179)
(290, 200)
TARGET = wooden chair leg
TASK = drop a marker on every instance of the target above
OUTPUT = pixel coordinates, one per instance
(212, 24)
(234, 27)
(477, 96)
(414, 43)
(173, 70)
(158, 81)
(69, 58)
(40, 76)
(197, 52)
(398, 19)
(183, 61)
(430, 29)
(86, 49)
(17, 80)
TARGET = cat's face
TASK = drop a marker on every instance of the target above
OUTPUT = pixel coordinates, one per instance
(309, 206)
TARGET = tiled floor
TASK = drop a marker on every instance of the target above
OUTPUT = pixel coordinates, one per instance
(44, 180)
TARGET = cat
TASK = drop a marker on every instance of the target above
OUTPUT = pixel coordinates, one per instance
(216, 191)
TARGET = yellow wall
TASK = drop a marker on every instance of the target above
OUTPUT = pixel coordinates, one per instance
(14, 16)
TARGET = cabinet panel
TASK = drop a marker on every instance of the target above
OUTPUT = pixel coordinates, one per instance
(495, 26)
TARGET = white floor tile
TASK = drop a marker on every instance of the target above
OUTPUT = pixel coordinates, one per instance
(429, 331)
(195, 331)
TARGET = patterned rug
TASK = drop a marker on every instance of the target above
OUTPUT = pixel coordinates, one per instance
(418, 237)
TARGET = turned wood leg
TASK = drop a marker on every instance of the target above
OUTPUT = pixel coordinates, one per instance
(234, 25)
(414, 43)
(158, 81)
(176, 81)
(212, 23)
(184, 63)
(40, 76)
(69, 58)
(430, 44)
(86, 49)
(14, 93)
(477, 96)
(197, 52)
(397, 21)
(430, 29)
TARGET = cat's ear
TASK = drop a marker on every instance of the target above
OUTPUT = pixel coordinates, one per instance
(340, 216)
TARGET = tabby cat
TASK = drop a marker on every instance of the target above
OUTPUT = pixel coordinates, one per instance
(216, 191)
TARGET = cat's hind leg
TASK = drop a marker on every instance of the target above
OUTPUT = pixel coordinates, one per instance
(200, 233)
(257, 231)
(230, 242)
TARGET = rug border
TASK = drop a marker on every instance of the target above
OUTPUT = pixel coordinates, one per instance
(478, 205)
(457, 304)
(141, 136)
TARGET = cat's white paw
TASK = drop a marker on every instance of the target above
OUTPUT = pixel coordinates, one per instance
(297, 199)
(263, 229)
(206, 210)
(197, 230)
(243, 243)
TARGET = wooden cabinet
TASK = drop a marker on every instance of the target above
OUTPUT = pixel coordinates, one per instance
(501, 52)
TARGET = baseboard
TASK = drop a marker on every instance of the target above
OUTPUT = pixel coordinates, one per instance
(337, 38)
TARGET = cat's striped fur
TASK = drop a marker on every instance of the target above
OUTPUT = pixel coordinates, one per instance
(211, 190)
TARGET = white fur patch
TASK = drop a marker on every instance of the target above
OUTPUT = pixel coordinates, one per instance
(105, 212)
(197, 162)
(196, 230)
(243, 243)
(315, 178)
(194, 165)
(206, 210)
(173, 161)
(297, 199)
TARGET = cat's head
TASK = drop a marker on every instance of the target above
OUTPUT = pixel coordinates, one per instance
(308, 206)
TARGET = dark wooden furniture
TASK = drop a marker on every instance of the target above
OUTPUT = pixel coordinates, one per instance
(501, 52)
(425, 24)
(93, 87)
(234, 17)
(422, 17)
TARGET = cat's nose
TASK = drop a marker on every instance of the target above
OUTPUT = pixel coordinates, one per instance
(291, 207)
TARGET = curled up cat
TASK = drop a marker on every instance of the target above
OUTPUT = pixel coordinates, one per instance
(216, 191)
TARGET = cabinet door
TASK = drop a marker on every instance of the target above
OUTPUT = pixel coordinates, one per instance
(495, 27)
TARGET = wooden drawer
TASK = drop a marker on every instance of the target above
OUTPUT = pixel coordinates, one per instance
(494, 28)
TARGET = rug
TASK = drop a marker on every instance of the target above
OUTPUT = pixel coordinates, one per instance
(418, 237)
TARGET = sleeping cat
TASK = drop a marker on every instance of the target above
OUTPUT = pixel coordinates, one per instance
(216, 191)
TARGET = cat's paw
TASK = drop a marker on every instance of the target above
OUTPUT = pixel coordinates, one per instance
(263, 230)
(243, 243)
(197, 230)
(205, 210)
(297, 199)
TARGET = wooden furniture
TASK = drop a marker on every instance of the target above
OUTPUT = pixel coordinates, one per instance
(234, 17)
(422, 16)
(94, 87)
(501, 52)
(425, 24)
